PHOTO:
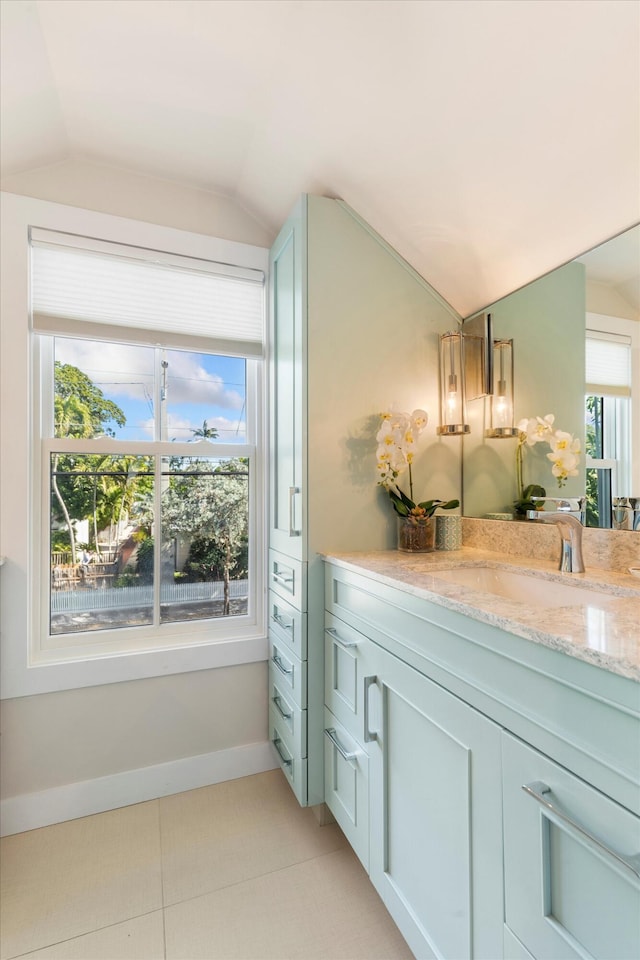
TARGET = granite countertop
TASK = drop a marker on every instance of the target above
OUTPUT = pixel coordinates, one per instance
(608, 638)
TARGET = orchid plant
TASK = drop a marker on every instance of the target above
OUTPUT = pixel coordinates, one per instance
(397, 438)
(564, 456)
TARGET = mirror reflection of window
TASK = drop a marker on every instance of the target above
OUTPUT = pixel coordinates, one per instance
(608, 411)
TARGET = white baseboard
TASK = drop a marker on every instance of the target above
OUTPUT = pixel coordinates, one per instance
(81, 799)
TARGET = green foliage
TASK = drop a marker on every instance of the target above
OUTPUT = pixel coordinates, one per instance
(404, 506)
(525, 502)
(144, 560)
(80, 408)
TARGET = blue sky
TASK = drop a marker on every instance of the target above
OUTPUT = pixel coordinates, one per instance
(198, 387)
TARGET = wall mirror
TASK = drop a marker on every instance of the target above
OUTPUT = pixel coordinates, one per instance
(576, 355)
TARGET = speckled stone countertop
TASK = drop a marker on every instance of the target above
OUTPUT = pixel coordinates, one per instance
(608, 638)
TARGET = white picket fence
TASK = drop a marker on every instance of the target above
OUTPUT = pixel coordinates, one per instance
(110, 598)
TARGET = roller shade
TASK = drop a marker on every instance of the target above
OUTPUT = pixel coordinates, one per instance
(608, 365)
(149, 297)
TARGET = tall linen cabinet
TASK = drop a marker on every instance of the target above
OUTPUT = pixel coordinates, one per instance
(353, 331)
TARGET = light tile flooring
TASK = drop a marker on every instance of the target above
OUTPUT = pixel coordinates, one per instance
(236, 870)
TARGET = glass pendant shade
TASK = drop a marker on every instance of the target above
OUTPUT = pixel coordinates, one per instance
(452, 385)
(502, 393)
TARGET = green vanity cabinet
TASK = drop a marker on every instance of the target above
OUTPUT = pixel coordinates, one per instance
(337, 294)
(435, 814)
(503, 779)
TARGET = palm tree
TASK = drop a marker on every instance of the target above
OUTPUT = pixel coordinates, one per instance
(205, 432)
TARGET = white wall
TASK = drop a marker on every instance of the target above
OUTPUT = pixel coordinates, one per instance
(68, 753)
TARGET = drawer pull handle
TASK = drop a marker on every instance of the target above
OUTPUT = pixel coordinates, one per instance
(333, 633)
(292, 531)
(280, 665)
(286, 760)
(369, 736)
(540, 791)
(349, 757)
(283, 581)
(277, 701)
(279, 619)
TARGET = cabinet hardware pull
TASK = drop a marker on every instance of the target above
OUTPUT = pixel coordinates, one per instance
(292, 492)
(333, 633)
(280, 665)
(276, 741)
(283, 581)
(277, 618)
(277, 701)
(538, 790)
(349, 757)
(369, 736)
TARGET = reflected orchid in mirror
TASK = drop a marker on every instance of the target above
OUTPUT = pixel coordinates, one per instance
(564, 456)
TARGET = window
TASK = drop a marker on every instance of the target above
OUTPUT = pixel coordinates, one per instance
(151, 492)
(609, 414)
(140, 534)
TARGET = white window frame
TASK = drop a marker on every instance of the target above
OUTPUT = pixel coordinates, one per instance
(29, 666)
(627, 428)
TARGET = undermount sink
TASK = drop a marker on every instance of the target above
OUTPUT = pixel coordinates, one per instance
(526, 588)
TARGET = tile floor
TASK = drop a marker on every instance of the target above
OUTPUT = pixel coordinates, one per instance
(236, 870)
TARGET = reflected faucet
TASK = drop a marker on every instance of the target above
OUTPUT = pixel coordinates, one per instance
(569, 528)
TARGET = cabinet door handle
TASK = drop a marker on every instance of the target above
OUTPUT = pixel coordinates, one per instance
(292, 531)
(279, 619)
(277, 701)
(276, 741)
(345, 754)
(283, 581)
(540, 791)
(280, 665)
(369, 736)
(333, 633)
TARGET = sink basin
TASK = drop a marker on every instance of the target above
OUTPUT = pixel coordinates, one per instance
(526, 588)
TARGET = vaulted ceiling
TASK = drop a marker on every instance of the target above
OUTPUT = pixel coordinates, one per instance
(487, 140)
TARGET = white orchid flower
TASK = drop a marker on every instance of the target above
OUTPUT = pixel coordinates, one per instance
(419, 420)
(536, 429)
(561, 441)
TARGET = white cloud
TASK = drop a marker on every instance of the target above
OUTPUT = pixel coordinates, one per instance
(127, 370)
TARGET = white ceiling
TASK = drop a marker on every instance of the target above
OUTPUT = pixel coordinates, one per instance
(487, 140)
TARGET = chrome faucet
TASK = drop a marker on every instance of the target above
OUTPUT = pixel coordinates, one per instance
(569, 528)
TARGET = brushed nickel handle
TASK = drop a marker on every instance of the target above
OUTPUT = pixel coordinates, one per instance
(345, 754)
(280, 665)
(283, 581)
(279, 619)
(369, 736)
(333, 633)
(292, 531)
(277, 701)
(276, 741)
(539, 791)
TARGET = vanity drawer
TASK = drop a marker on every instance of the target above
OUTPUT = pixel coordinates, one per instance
(291, 719)
(346, 785)
(288, 624)
(288, 671)
(567, 894)
(287, 578)
(345, 666)
(294, 767)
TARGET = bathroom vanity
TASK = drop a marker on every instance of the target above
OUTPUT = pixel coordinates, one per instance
(482, 750)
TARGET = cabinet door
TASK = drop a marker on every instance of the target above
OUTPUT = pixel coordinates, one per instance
(435, 810)
(572, 862)
(288, 412)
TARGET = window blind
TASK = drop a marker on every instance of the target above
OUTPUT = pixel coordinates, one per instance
(148, 296)
(608, 364)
